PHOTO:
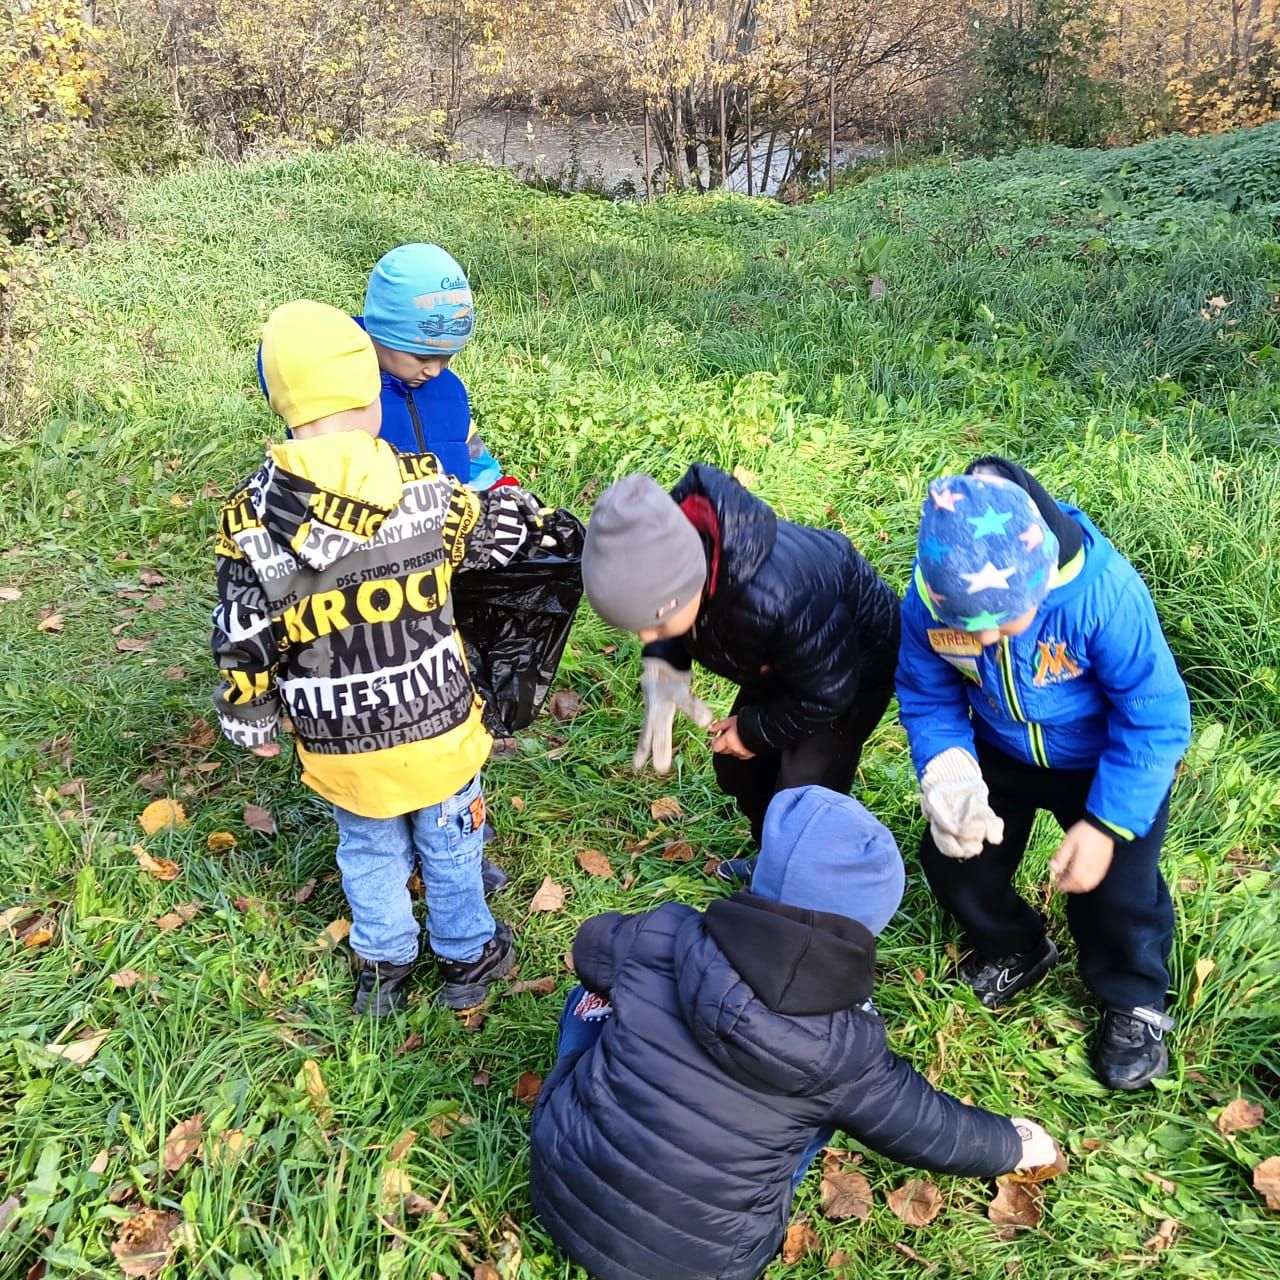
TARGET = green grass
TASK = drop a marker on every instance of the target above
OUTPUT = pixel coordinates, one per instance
(1056, 306)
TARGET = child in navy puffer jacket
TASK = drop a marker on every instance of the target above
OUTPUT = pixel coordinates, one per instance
(709, 1056)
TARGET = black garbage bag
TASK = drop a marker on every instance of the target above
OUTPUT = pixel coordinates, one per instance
(515, 622)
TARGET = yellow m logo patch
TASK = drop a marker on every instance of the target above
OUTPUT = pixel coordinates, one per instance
(1054, 664)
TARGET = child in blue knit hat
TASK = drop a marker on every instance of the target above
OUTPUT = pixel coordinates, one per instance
(709, 1056)
(1033, 674)
(420, 313)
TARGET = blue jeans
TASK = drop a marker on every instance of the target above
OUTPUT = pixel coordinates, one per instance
(377, 856)
(578, 1033)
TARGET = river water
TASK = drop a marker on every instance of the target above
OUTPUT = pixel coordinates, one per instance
(602, 153)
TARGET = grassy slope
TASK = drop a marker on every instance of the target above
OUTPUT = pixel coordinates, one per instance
(1052, 306)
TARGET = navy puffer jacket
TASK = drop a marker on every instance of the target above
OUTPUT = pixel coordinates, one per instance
(793, 614)
(666, 1151)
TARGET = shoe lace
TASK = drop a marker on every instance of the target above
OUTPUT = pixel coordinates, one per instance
(1126, 1031)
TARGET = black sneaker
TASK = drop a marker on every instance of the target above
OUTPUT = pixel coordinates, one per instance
(995, 982)
(1130, 1051)
(736, 871)
(382, 988)
(466, 984)
(495, 879)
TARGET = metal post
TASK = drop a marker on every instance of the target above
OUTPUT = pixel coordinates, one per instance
(724, 146)
(750, 165)
(831, 137)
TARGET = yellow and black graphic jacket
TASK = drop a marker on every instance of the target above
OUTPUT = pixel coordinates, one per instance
(335, 562)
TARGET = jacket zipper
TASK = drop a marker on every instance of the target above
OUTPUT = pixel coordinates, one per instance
(1035, 734)
(417, 422)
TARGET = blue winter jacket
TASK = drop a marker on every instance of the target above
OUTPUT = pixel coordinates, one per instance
(1091, 684)
(443, 424)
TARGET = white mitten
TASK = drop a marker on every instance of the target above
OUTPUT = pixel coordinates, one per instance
(1038, 1149)
(666, 690)
(955, 800)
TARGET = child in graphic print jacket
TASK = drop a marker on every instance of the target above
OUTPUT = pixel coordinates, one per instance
(1033, 674)
(334, 568)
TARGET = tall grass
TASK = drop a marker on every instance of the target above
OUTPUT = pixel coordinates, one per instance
(1056, 306)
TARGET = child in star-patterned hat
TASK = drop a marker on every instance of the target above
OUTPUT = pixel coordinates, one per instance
(1033, 674)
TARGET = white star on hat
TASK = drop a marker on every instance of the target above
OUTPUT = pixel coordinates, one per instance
(989, 577)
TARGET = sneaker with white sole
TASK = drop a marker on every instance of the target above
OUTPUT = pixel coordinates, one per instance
(996, 982)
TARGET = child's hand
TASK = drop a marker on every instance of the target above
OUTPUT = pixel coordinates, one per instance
(1038, 1149)
(725, 740)
(1082, 858)
(267, 750)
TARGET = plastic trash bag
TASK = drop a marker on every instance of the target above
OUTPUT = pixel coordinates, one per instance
(515, 623)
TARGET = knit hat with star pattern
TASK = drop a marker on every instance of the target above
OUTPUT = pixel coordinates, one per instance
(985, 553)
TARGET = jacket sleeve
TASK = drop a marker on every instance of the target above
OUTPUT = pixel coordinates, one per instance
(247, 643)
(485, 469)
(601, 948)
(932, 703)
(894, 1110)
(489, 530)
(816, 682)
(1149, 725)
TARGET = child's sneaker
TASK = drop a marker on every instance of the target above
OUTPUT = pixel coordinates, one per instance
(382, 988)
(995, 982)
(1130, 1051)
(466, 983)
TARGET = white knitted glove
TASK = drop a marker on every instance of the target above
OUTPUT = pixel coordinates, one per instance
(955, 800)
(1038, 1148)
(666, 690)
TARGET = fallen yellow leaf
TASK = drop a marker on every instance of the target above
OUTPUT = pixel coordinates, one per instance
(160, 814)
(161, 868)
(221, 841)
(79, 1051)
(333, 933)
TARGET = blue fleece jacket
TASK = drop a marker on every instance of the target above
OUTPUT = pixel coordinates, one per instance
(1090, 685)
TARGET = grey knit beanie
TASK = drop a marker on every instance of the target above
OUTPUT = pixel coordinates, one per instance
(642, 560)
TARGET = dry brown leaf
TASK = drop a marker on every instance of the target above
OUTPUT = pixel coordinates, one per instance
(567, 960)
(678, 851)
(306, 891)
(841, 1258)
(134, 644)
(220, 842)
(550, 896)
(917, 1202)
(123, 979)
(16, 919)
(565, 704)
(160, 814)
(313, 1083)
(1169, 1188)
(151, 782)
(402, 1145)
(150, 577)
(1040, 1173)
(9, 594)
(1091, 1144)
(845, 1195)
(179, 916)
(473, 1019)
(145, 1243)
(1238, 1115)
(226, 1147)
(534, 986)
(100, 1162)
(1266, 1181)
(447, 1122)
(79, 1051)
(1016, 1205)
(333, 933)
(480, 1079)
(50, 622)
(259, 819)
(526, 1090)
(201, 734)
(1204, 967)
(175, 673)
(800, 1241)
(517, 803)
(1165, 1235)
(39, 935)
(666, 809)
(161, 868)
(486, 1271)
(183, 1140)
(155, 603)
(917, 976)
(594, 863)
(411, 1042)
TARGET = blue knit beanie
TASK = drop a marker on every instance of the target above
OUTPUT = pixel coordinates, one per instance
(824, 851)
(419, 300)
(985, 553)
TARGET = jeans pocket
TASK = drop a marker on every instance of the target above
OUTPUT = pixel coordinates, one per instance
(463, 815)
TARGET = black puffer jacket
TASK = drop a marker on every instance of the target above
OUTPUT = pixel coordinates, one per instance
(791, 612)
(667, 1150)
